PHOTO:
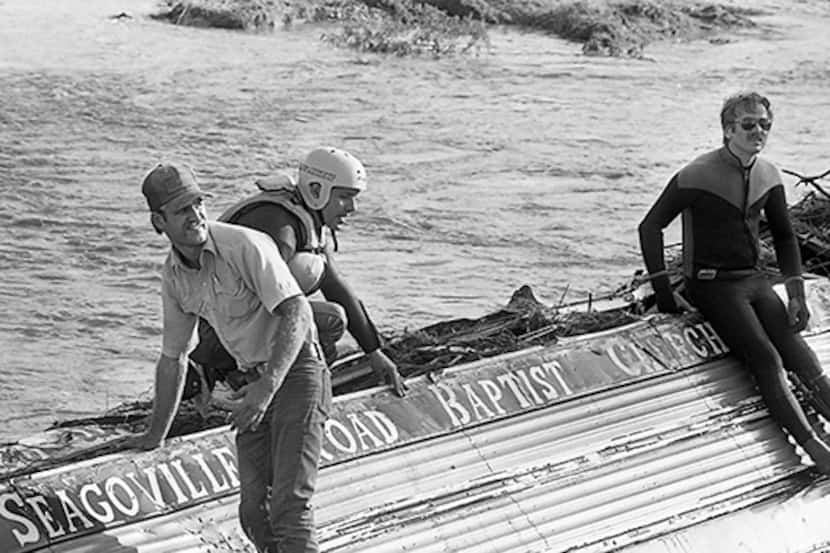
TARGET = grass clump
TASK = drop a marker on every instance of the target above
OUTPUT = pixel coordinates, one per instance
(445, 27)
(406, 27)
(244, 15)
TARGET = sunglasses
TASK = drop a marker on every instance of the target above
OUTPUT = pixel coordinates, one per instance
(749, 124)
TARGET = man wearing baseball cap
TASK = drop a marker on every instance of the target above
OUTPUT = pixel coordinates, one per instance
(235, 278)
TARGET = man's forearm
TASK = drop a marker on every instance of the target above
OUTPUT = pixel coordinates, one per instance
(295, 320)
(170, 378)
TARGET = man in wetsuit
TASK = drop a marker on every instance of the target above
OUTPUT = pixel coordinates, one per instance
(721, 195)
(303, 219)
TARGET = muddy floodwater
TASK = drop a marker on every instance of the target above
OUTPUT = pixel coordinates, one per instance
(527, 164)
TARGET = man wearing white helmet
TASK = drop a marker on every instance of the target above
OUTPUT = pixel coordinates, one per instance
(303, 219)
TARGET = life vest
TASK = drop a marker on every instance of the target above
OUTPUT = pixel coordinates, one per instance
(309, 262)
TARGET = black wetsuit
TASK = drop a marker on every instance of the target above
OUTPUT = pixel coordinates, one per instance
(721, 202)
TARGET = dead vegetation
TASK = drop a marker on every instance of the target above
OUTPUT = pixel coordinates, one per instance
(522, 323)
(440, 27)
(811, 222)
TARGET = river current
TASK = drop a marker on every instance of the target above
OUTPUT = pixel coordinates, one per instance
(528, 163)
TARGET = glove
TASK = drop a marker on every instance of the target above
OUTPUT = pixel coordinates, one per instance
(797, 311)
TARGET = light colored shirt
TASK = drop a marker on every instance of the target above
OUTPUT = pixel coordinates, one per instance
(240, 282)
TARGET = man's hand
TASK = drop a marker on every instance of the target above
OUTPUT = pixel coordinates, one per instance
(387, 372)
(798, 314)
(255, 399)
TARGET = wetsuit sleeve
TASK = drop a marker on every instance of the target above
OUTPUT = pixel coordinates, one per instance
(335, 289)
(786, 244)
(670, 203)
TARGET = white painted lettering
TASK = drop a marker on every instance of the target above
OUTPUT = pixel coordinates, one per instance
(384, 426)
(71, 511)
(648, 356)
(41, 508)
(694, 338)
(537, 373)
(339, 436)
(30, 533)
(480, 410)
(228, 462)
(325, 455)
(154, 493)
(174, 485)
(459, 416)
(111, 486)
(556, 370)
(363, 432)
(493, 393)
(677, 342)
(106, 514)
(712, 338)
(537, 399)
(195, 492)
(215, 484)
(511, 381)
(615, 351)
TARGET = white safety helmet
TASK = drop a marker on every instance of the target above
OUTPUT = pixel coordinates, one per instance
(327, 168)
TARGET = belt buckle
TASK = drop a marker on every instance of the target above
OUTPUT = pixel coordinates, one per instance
(707, 274)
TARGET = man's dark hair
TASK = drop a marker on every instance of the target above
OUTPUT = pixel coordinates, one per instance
(153, 221)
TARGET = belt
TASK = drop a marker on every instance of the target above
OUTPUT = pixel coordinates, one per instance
(704, 273)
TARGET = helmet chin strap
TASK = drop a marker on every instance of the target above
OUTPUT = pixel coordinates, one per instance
(335, 245)
(318, 216)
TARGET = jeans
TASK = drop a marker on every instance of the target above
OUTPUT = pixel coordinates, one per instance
(283, 455)
(752, 320)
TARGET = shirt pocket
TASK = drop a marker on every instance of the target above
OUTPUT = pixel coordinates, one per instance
(233, 298)
(192, 300)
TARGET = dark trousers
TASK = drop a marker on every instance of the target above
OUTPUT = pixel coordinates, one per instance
(283, 456)
(752, 320)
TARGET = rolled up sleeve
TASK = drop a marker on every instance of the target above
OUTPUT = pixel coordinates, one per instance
(266, 273)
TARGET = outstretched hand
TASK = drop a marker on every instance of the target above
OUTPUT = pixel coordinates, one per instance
(387, 372)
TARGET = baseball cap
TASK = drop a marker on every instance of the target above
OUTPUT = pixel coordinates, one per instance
(168, 182)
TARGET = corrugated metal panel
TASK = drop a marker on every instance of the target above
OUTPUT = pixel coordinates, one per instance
(566, 476)
(596, 473)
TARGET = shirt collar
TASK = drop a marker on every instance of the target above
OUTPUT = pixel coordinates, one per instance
(178, 264)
